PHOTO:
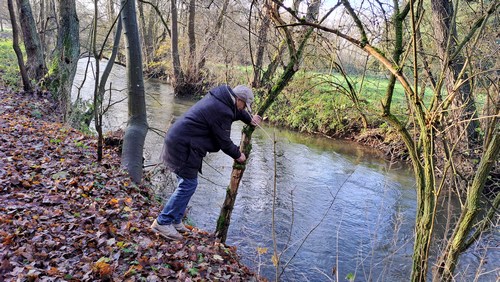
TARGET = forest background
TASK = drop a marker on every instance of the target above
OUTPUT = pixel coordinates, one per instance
(420, 77)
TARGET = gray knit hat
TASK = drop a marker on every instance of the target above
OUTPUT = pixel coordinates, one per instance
(245, 94)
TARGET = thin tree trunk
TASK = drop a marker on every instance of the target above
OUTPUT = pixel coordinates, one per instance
(447, 263)
(178, 79)
(261, 46)
(97, 98)
(213, 35)
(49, 27)
(292, 67)
(295, 57)
(41, 22)
(137, 126)
(17, 50)
(147, 41)
(98, 108)
(192, 68)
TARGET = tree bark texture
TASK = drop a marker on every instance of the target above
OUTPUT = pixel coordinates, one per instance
(66, 55)
(41, 21)
(35, 63)
(99, 109)
(457, 82)
(447, 263)
(17, 49)
(192, 68)
(178, 79)
(147, 32)
(261, 46)
(137, 126)
(231, 192)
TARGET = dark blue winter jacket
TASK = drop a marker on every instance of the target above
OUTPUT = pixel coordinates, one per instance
(205, 127)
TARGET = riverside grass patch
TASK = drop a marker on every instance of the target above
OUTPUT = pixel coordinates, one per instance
(315, 102)
(9, 70)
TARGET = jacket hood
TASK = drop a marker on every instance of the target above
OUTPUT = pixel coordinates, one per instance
(224, 94)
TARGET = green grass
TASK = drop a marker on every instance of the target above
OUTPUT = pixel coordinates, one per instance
(319, 102)
(9, 70)
(315, 102)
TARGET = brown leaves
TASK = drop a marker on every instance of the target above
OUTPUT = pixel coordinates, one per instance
(65, 217)
(102, 269)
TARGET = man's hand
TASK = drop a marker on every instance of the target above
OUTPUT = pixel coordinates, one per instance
(256, 120)
(242, 158)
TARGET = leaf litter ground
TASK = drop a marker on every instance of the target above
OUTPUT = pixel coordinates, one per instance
(65, 217)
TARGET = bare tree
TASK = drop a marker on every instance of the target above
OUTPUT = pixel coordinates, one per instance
(296, 44)
(47, 24)
(146, 21)
(15, 44)
(258, 62)
(178, 79)
(426, 128)
(455, 78)
(137, 126)
(66, 55)
(99, 106)
(192, 70)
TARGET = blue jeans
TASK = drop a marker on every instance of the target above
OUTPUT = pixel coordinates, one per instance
(176, 205)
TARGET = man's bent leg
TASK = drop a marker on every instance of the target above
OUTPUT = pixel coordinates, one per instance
(177, 204)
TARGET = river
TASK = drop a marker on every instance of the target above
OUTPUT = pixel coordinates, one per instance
(341, 210)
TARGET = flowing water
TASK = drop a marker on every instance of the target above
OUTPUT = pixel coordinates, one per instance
(340, 210)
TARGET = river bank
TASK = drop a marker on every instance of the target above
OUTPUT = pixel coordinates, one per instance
(65, 217)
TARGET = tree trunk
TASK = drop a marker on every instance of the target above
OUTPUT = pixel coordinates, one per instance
(238, 169)
(97, 96)
(41, 22)
(146, 30)
(213, 35)
(66, 55)
(295, 57)
(178, 79)
(137, 126)
(35, 63)
(110, 6)
(48, 26)
(17, 50)
(457, 82)
(447, 263)
(192, 69)
(261, 46)
(234, 183)
(99, 110)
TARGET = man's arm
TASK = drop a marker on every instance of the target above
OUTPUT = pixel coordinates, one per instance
(222, 134)
(247, 118)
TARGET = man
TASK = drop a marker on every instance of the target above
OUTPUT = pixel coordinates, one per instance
(205, 127)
